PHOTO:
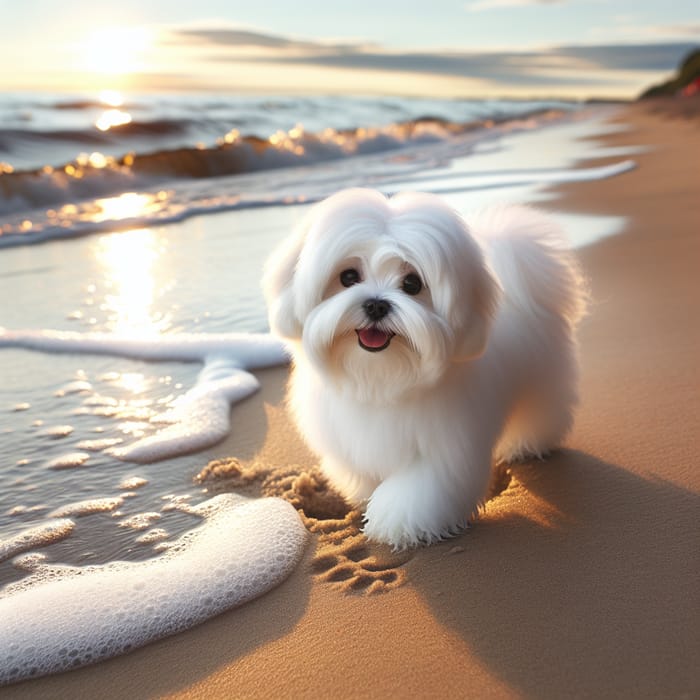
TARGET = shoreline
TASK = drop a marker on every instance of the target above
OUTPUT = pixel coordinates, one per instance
(577, 580)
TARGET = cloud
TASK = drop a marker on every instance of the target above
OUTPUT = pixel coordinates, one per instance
(485, 5)
(603, 64)
(681, 29)
(239, 38)
(633, 57)
(690, 30)
(531, 67)
(504, 68)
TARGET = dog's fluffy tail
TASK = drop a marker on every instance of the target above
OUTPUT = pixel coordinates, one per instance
(530, 257)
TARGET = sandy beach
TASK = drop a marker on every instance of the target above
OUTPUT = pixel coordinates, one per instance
(581, 577)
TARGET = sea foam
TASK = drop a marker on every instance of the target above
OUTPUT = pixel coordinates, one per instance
(197, 419)
(64, 617)
(35, 536)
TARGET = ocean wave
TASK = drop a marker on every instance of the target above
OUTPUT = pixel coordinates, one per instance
(158, 127)
(13, 139)
(98, 193)
(136, 210)
(171, 121)
(88, 104)
(99, 175)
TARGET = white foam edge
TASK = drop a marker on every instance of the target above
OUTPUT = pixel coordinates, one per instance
(463, 181)
(243, 549)
(199, 418)
(34, 536)
(248, 350)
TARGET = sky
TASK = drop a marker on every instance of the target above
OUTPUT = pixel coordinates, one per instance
(428, 48)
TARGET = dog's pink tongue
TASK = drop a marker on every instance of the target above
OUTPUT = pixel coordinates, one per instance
(373, 337)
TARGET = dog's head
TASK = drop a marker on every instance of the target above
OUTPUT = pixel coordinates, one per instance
(382, 294)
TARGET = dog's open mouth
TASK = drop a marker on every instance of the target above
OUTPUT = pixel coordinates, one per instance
(373, 339)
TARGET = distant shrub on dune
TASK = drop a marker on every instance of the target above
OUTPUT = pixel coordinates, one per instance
(685, 82)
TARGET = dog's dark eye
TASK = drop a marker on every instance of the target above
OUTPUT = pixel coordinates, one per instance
(349, 277)
(411, 284)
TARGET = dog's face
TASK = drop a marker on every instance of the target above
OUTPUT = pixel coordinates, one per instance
(383, 294)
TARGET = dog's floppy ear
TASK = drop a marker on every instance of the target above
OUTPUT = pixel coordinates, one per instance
(484, 299)
(278, 284)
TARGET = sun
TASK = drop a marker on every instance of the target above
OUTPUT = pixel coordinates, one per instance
(116, 50)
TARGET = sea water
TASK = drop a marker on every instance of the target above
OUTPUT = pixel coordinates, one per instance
(132, 319)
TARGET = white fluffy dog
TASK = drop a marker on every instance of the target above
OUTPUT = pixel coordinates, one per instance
(423, 348)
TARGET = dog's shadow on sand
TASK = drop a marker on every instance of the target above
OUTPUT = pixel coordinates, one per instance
(579, 577)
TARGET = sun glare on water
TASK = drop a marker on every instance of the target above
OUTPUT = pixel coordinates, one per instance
(131, 269)
(111, 98)
(124, 206)
(129, 264)
(114, 114)
(112, 117)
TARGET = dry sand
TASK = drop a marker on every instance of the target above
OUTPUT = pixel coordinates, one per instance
(582, 577)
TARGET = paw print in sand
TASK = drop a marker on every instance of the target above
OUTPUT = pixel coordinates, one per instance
(353, 566)
(343, 556)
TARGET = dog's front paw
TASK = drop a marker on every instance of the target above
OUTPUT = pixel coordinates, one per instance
(401, 513)
(397, 535)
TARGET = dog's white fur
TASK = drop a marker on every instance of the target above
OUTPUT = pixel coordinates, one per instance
(482, 364)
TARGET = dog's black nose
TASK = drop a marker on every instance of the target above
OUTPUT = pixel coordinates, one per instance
(376, 309)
